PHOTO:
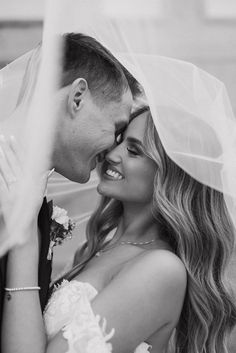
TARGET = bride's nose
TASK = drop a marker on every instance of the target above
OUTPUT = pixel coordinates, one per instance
(113, 155)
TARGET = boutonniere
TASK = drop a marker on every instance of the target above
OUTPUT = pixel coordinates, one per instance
(61, 227)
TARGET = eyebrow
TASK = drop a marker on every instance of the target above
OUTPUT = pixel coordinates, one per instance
(138, 112)
(134, 140)
(121, 127)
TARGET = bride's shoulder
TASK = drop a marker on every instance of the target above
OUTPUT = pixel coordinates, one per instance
(156, 279)
(162, 265)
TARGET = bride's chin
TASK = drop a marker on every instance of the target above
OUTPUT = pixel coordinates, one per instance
(103, 190)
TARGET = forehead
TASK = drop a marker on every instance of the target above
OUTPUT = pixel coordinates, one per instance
(119, 112)
(137, 126)
(126, 100)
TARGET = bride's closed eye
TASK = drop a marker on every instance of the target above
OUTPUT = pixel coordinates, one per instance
(134, 151)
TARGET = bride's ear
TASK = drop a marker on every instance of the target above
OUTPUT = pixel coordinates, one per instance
(77, 93)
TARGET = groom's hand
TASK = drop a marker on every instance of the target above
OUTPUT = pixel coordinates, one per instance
(21, 193)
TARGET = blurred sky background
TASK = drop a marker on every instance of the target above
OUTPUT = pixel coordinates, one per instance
(200, 31)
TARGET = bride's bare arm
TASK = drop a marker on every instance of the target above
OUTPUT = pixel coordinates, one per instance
(22, 327)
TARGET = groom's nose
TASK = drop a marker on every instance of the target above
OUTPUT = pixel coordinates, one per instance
(105, 152)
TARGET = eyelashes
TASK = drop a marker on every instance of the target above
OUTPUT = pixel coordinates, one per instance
(132, 151)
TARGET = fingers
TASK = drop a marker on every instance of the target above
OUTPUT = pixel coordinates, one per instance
(16, 150)
(7, 162)
(11, 160)
(3, 187)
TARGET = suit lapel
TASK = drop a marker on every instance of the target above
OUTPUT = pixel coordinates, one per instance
(45, 266)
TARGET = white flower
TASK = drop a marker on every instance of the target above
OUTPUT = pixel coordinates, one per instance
(60, 216)
(61, 227)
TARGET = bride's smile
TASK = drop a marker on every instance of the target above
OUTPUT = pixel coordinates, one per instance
(112, 174)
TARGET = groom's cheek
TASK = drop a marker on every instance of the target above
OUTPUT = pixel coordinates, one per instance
(107, 142)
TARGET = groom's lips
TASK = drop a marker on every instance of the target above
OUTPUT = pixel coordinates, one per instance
(93, 164)
(100, 157)
(97, 159)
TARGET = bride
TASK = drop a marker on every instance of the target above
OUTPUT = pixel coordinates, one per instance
(160, 275)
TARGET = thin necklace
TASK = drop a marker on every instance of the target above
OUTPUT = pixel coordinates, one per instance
(98, 253)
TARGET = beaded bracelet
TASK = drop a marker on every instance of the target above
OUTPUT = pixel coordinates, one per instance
(19, 289)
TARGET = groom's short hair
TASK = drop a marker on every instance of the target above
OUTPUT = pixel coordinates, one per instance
(107, 78)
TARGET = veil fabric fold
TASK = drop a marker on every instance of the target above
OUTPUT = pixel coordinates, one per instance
(190, 108)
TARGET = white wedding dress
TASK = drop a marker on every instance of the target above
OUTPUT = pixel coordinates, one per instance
(69, 310)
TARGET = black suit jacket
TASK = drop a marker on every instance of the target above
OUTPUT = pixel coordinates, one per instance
(45, 267)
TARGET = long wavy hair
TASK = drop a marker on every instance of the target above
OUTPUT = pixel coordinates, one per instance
(195, 222)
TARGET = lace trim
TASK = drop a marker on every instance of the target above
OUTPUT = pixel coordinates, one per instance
(89, 336)
(84, 332)
(143, 348)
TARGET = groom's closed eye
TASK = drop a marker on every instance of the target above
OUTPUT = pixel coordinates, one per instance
(119, 135)
(119, 138)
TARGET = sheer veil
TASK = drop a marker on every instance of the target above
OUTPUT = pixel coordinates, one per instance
(190, 108)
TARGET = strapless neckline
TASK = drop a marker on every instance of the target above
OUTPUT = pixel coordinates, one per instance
(71, 289)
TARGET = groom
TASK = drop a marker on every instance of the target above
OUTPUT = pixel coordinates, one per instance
(93, 105)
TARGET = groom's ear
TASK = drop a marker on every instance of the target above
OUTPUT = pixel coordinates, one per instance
(77, 93)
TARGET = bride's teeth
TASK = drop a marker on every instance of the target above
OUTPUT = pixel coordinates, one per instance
(113, 174)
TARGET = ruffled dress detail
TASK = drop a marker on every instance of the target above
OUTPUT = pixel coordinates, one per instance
(69, 310)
